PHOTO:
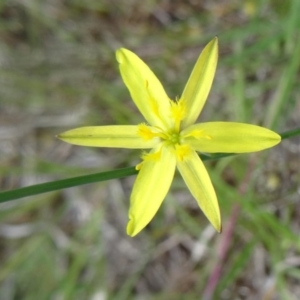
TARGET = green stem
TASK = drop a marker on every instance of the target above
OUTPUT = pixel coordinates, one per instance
(290, 133)
(64, 183)
(103, 176)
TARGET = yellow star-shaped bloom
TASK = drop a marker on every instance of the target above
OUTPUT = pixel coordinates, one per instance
(174, 138)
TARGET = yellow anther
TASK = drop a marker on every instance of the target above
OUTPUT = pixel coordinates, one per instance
(182, 151)
(138, 166)
(178, 110)
(198, 134)
(145, 132)
(152, 156)
(148, 156)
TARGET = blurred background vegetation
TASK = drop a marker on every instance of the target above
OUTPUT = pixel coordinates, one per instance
(58, 71)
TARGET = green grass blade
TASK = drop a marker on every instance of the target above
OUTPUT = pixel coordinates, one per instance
(103, 176)
(76, 181)
(284, 89)
(64, 183)
(290, 133)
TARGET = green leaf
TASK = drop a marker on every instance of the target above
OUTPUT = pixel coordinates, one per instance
(103, 176)
(64, 183)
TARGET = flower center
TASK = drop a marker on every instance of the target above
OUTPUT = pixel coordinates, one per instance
(174, 138)
(171, 137)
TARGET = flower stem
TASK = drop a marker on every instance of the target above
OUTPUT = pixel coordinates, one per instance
(64, 183)
(103, 176)
(290, 133)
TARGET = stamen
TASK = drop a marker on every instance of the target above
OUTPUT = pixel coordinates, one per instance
(148, 132)
(148, 156)
(182, 151)
(178, 112)
(139, 166)
(198, 134)
(145, 132)
(152, 156)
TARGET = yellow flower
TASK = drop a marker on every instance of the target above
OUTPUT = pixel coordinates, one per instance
(174, 138)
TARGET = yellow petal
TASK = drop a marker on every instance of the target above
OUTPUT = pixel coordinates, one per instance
(229, 137)
(108, 136)
(146, 91)
(200, 81)
(151, 186)
(198, 182)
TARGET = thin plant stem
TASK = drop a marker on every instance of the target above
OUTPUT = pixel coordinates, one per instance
(290, 133)
(103, 176)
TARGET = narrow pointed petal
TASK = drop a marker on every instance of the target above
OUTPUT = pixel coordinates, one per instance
(229, 137)
(151, 186)
(146, 90)
(198, 182)
(113, 136)
(200, 81)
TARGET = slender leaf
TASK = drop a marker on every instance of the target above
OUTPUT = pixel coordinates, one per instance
(103, 176)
